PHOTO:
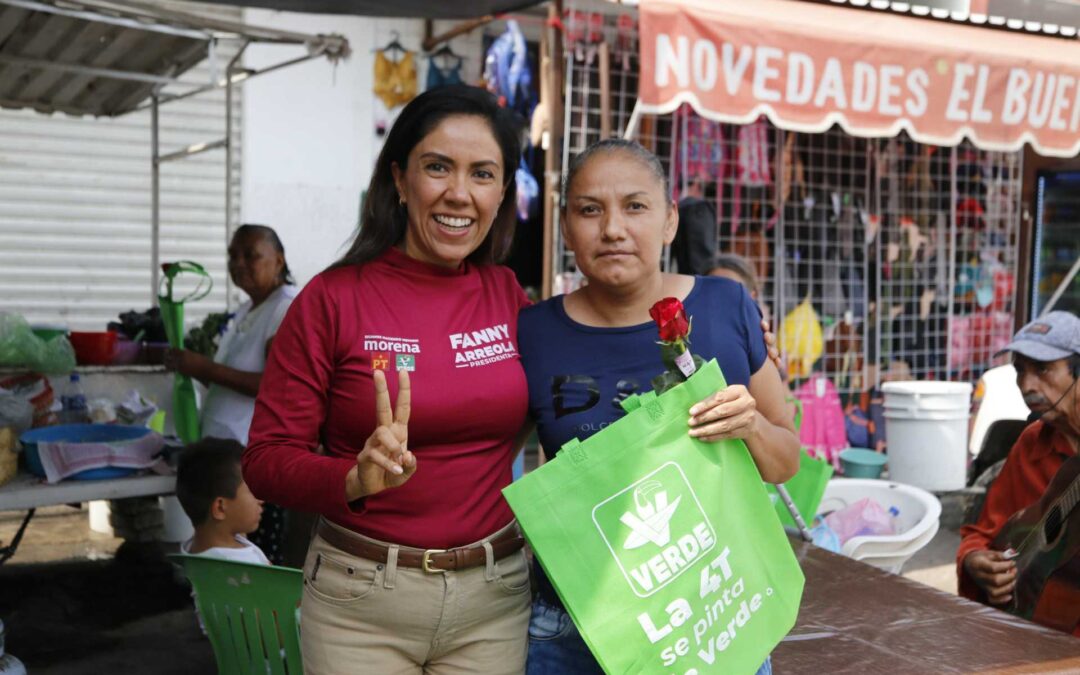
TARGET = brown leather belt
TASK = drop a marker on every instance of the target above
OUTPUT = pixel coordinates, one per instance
(433, 560)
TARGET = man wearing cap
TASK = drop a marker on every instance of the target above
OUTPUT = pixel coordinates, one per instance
(1046, 354)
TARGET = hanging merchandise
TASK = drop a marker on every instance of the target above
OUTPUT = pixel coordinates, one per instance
(625, 39)
(395, 81)
(823, 431)
(185, 408)
(844, 353)
(528, 190)
(865, 226)
(919, 333)
(801, 339)
(694, 246)
(444, 68)
(584, 32)
(507, 70)
(969, 214)
(754, 154)
(860, 430)
(699, 150)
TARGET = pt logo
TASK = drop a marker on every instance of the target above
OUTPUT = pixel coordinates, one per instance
(655, 529)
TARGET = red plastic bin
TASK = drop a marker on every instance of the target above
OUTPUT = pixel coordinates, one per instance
(94, 349)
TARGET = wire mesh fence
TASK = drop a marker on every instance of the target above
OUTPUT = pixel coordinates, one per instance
(875, 258)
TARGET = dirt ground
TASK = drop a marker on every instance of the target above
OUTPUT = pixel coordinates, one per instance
(75, 601)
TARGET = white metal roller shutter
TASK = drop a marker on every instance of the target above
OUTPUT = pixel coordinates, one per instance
(75, 205)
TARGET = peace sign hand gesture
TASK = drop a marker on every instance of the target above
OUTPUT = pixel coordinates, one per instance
(385, 462)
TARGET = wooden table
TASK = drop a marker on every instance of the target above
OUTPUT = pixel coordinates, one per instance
(860, 620)
(27, 491)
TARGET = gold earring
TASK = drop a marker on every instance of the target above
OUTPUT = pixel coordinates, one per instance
(401, 201)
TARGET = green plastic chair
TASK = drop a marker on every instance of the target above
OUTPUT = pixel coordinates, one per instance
(251, 614)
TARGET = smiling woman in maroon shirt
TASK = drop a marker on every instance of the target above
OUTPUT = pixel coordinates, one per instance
(417, 563)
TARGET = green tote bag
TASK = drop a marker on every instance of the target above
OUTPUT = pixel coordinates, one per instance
(806, 487)
(185, 406)
(665, 550)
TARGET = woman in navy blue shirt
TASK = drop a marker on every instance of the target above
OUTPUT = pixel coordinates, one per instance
(585, 352)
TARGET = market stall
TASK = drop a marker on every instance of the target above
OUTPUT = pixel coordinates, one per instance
(868, 164)
(108, 59)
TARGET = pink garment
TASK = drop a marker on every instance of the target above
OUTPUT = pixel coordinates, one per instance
(699, 149)
(754, 154)
(822, 433)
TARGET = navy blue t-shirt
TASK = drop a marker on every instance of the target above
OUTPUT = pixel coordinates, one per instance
(578, 374)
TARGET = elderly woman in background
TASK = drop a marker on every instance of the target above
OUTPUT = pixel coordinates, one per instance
(257, 266)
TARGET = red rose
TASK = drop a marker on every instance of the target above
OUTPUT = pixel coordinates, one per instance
(671, 319)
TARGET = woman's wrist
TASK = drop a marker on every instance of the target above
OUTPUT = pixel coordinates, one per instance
(353, 489)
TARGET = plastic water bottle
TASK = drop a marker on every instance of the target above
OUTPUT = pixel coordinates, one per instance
(73, 402)
(895, 517)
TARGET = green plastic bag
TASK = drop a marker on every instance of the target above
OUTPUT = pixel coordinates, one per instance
(807, 487)
(21, 348)
(185, 405)
(664, 549)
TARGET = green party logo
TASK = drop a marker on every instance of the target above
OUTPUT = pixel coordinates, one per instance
(655, 529)
(405, 362)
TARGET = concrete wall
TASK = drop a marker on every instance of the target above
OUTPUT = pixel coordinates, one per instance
(309, 140)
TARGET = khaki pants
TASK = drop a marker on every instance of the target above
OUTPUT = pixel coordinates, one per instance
(359, 616)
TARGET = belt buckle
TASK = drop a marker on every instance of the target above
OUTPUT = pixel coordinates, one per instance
(425, 562)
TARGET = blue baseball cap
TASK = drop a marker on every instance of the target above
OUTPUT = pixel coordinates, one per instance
(1051, 337)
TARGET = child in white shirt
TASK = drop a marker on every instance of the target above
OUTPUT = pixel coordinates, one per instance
(215, 497)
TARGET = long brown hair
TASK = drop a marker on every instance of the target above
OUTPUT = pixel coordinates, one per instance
(384, 220)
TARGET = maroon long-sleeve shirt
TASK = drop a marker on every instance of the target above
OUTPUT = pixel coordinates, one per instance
(456, 330)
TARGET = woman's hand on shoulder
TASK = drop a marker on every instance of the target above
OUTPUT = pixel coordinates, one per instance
(729, 413)
(385, 462)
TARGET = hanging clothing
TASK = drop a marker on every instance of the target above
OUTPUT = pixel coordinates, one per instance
(694, 247)
(699, 149)
(754, 154)
(395, 81)
(507, 70)
(823, 432)
(528, 190)
(443, 77)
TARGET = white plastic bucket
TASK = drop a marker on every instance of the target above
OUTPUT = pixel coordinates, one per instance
(926, 428)
(918, 515)
(99, 517)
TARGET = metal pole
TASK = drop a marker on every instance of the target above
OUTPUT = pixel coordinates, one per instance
(229, 159)
(155, 201)
(794, 511)
(780, 252)
(553, 158)
(228, 170)
(951, 262)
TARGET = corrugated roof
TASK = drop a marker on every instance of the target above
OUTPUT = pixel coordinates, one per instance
(104, 58)
(994, 18)
(419, 9)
